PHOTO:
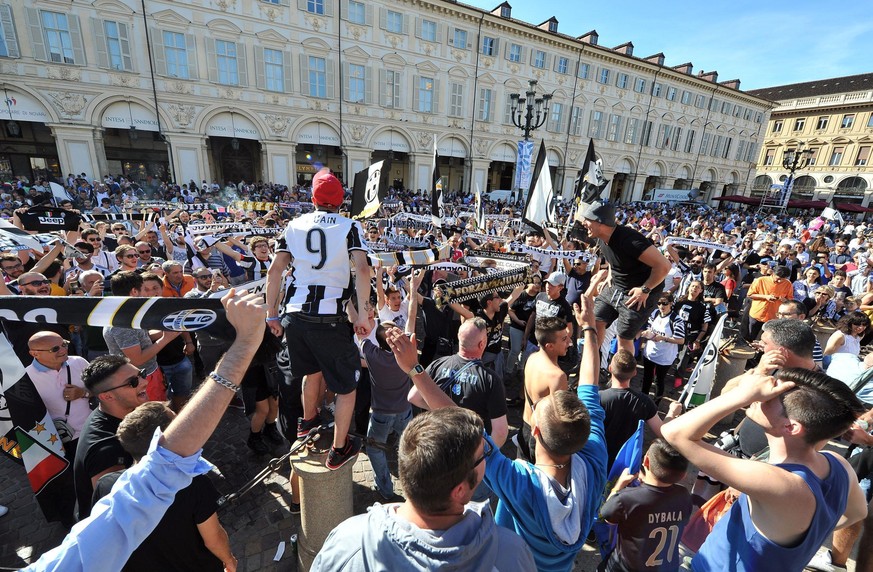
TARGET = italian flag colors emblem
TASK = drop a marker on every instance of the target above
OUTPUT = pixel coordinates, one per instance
(42, 463)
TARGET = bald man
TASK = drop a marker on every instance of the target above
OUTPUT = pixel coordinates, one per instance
(468, 382)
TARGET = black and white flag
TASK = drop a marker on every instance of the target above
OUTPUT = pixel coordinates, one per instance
(370, 189)
(540, 205)
(589, 181)
(480, 210)
(436, 190)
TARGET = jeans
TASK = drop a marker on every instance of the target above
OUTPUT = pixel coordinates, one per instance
(381, 425)
(179, 377)
(516, 342)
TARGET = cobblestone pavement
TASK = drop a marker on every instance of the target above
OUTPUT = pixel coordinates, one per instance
(256, 522)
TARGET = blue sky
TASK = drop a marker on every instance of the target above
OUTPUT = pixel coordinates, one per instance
(762, 44)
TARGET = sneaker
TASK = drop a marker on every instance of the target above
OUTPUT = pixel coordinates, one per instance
(338, 458)
(256, 443)
(304, 426)
(271, 432)
(294, 508)
(822, 563)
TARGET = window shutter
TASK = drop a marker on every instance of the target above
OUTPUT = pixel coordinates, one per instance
(286, 72)
(368, 85)
(405, 27)
(100, 43)
(506, 51)
(415, 93)
(211, 60)
(383, 87)
(344, 9)
(158, 45)
(191, 56)
(418, 27)
(330, 80)
(301, 5)
(496, 49)
(368, 12)
(328, 8)
(260, 71)
(436, 95)
(8, 26)
(450, 35)
(304, 75)
(76, 38)
(242, 64)
(548, 61)
(124, 40)
(346, 81)
(36, 37)
(383, 18)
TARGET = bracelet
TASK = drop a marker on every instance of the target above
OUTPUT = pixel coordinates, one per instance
(224, 382)
(589, 329)
(273, 319)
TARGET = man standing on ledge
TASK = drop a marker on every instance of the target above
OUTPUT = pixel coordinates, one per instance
(636, 274)
(319, 337)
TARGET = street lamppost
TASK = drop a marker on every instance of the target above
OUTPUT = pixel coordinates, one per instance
(530, 112)
(792, 161)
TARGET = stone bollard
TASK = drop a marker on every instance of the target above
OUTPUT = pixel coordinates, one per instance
(728, 367)
(325, 501)
(823, 331)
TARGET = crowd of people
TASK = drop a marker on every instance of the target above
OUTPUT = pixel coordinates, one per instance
(610, 309)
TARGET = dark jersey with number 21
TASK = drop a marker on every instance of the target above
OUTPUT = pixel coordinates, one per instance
(650, 523)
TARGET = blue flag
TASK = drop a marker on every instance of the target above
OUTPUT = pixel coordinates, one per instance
(630, 457)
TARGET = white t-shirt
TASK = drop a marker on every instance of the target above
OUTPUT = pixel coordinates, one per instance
(400, 317)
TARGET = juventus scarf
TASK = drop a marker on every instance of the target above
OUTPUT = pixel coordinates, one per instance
(410, 257)
(119, 216)
(405, 240)
(48, 219)
(692, 243)
(559, 254)
(470, 288)
(504, 261)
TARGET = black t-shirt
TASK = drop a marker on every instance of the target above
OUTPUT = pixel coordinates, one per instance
(175, 544)
(547, 308)
(692, 313)
(650, 523)
(172, 353)
(624, 409)
(523, 307)
(623, 252)
(494, 327)
(98, 450)
(715, 290)
(471, 385)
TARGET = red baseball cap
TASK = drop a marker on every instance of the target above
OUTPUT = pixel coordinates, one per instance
(327, 191)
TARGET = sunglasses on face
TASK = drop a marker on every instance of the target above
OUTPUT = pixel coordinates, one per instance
(144, 251)
(486, 450)
(36, 283)
(54, 349)
(131, 255)
(132, 381)
(663, 303)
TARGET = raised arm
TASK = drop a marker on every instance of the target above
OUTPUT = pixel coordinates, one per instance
(589, 367)
(406, 355)
(225, 248)
(274, 289)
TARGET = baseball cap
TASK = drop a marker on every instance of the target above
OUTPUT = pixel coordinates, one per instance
(327, 191)
(600, 212)
(557, 279)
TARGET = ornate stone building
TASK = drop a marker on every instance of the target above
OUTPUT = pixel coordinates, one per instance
(273, 89)
(834, 119)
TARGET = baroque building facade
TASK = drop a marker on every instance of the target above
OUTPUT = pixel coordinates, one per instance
(833, 118)
(274, 89)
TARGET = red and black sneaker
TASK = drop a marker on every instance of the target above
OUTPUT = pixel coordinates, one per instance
(337, 458)
(305, 426)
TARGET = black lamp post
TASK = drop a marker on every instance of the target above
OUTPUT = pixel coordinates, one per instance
(794, 160)
(234, 143)
(530, 112)
(12, 126)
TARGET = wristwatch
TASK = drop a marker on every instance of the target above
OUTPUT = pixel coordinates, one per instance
(415, 370)
(645, 289)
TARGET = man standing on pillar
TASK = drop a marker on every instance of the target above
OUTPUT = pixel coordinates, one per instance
(636, 274)
(319, 337)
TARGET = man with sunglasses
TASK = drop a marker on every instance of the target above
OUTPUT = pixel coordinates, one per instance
(120, 387)
(101, 257)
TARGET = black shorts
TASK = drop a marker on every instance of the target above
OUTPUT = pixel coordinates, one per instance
(611, 306)
(324, 347)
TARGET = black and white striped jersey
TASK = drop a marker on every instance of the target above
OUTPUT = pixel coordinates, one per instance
(320, 243)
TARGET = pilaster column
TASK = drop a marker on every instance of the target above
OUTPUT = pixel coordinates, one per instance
(77, 149)
(190, 156)
(279, 162)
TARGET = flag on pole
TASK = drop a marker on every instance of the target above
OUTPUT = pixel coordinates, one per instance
(480, 210)
(38, 442)
(436, 191)
(370, 189)
(699, 385)
(540, 206)
(629, 457)
(59, 194)
(589, 181)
